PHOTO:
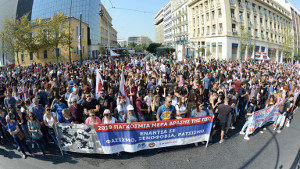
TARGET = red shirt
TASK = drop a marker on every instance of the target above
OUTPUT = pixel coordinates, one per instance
(237, 85)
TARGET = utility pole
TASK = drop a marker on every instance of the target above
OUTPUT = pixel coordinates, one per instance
(80, 39)
(3, 49)
(70, 33)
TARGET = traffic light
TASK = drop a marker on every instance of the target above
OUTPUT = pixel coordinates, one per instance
(101, 12)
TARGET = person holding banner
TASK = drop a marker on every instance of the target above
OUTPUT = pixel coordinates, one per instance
(93, 119)
(250, 111)
(167, 111)
(130, 116)
(108, 118)
(283, 113)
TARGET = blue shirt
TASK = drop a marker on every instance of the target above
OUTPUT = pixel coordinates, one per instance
(271, 90)
(59, 108)
(206, 83)
(38, 112)
(13, 128)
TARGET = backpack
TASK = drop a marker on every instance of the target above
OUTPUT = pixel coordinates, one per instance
(282, 107)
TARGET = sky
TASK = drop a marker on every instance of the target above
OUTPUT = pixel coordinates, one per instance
(133, 23)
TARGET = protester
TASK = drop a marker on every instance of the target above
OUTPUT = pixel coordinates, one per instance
(108, 118)
(17, 135)
(130, 117)
(92, 119)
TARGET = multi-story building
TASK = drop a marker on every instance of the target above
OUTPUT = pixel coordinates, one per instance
(122, 43)
(7, 10)
(217, 26)
(159, 27)
(47, 54)
(168, 35)
(296, 27)
(144, 39)
(133, 39)
(108, 33)
(139, 40)
(113, 38)
(180, 25)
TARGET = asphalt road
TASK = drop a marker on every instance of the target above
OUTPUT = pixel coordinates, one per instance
(263, 151)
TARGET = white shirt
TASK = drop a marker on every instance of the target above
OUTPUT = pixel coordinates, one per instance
(174, 101)
(122, 108)
(148, 99)
(49, 121)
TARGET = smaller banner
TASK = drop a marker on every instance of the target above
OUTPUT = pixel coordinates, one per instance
(132, 137)
(263, 116)
(78, 138)
(180, 53)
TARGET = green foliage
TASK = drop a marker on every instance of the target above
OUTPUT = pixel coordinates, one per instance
(287, 43)
(140, 47)
(53, 32)
(131, 45)
(16, 34)
(208, 53)
(102, 50)
(152, 47)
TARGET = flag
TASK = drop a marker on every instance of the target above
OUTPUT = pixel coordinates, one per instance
(241, 72)
(122, 89)
(99, 84)
(78, 43)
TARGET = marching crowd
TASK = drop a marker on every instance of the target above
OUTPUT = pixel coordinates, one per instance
(35, 97)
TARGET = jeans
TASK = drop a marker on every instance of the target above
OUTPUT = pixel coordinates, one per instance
(26, 133)
(22, 144)
(281, 119)
(41, 144)
(205, 97)
(242, 105)
(246, 126)
(52, 134)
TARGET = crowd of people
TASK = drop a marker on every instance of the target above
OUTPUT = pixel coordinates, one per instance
(35, 97)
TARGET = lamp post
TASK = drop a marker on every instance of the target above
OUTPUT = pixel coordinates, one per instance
(70, 33)
(80, 39)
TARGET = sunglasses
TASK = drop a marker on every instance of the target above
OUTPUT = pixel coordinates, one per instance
(88, 96)
(92, 115)
(101, 93)
(170, 102)
(74, 102)
(48, 109)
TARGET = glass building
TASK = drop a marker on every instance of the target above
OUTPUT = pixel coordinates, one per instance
(88, 8)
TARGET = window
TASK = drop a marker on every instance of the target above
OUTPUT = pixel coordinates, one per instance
(82, 33)
(22, 57)
(241, 16)
(45, 54)
(77, 30)
(83, 49)
(57, 52)
(77, 51)
(31, 55)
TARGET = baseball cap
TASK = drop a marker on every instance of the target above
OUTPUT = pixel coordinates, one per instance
(130, 107)
(106, 111)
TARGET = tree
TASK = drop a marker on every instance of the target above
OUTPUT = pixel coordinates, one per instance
(54, 32)
(287, 43)
(297, 54)
(152, 47)
(131, 45)
(208, 53)
(245, 38)
(102, 50)
(15, 34)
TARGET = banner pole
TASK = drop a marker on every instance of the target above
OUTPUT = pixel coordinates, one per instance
(59, 146)
(207, 142)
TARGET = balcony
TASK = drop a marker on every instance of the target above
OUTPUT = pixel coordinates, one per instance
(220, 31)
(233, 18)
(247, 6)
(240, 5)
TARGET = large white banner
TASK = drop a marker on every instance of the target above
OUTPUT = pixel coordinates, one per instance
(179, 53)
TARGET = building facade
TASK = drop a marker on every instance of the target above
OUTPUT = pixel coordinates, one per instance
(88, 8)
(7, 10)
(217, 26)
(122, 43)
(168, 35)
(180, 25)
(296, 27)
(159, 27)
(46, 54)
(144, 39)
(108, 33)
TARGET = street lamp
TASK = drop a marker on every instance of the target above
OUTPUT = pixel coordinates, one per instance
(70, 33)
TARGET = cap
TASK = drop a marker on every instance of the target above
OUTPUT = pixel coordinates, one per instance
(130, 107)
(106, 111)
